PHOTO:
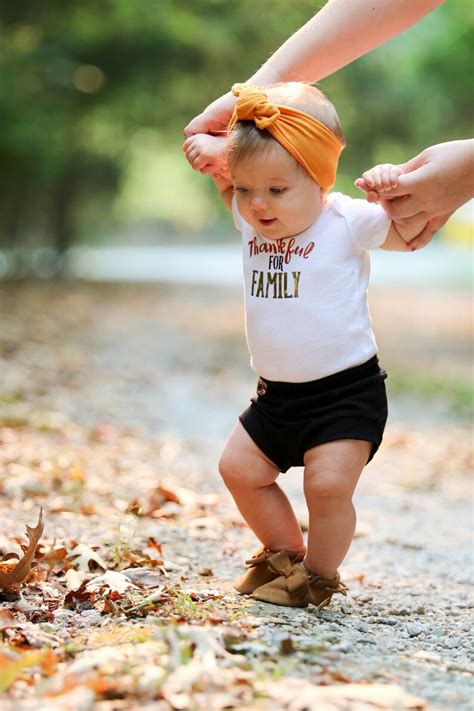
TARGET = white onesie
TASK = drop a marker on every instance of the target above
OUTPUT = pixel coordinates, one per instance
(306, 309)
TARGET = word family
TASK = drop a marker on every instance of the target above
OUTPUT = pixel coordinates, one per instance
(275, 285)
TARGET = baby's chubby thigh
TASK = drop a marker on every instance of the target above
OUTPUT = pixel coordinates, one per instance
(243, 465)
(332, 470)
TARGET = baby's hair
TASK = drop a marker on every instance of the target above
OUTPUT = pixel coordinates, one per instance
(245, 139)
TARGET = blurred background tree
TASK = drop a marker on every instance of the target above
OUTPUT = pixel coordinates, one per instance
(94, 97)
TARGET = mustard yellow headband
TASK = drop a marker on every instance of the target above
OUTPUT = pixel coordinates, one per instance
(308, 140)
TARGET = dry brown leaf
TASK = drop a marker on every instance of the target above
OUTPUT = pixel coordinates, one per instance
(21, 570)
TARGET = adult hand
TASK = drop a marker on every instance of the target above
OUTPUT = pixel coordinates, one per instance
(433, 185)
(432, 227)
(215, 118)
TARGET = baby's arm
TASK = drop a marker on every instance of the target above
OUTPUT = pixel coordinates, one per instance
(225, 188)
(206, 153)
(377, 183)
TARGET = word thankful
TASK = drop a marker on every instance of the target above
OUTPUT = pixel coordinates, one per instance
(275, 285)
(286, 247)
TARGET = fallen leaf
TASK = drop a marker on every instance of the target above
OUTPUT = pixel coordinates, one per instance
(21, 570)
(12, 668)
(83, 555)
(116, 582)
(143, 576)
(7, 620)
(74, 579)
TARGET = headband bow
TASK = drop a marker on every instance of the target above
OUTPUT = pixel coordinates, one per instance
(253, 105)
(308, 140)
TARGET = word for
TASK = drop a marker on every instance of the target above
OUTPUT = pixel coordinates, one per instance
(281, 246)
(275, 285)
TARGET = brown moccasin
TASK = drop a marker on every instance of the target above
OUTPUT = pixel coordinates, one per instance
(259, 572)
(297, 587)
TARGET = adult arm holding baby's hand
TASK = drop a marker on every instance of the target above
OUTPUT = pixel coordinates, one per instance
(437, 181)
(337, 35)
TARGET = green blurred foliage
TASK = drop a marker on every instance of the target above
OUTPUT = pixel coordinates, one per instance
(94, 97)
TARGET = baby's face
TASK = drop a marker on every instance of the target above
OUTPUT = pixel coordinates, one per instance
(275, 195)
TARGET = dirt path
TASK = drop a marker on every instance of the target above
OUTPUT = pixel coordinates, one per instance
(109, 391)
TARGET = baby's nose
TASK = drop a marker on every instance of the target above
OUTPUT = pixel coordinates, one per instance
(258, 204)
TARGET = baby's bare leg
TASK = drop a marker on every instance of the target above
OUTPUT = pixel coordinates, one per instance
(251, 479)
(332, 471)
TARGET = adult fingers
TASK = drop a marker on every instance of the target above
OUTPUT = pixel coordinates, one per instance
(402, 207)
(428, 233)
(372, 196)
(214, 118)
(199, 124)
(209, 168)
(419, 219)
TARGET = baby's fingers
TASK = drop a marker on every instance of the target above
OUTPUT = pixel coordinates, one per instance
(383, 178)
(371, 194)
(362, 185)
(195, 159)
(376, 178)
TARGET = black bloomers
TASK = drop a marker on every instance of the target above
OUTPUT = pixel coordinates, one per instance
(285, 420)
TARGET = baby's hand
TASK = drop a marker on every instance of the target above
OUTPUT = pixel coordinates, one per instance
(379, 181)
(206, 154)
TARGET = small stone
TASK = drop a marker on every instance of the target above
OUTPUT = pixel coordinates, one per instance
(169, 566)
(437, 632)
(206, 572)
(452, 643)
(427, 655)
(361, 627)
(287, 646)
(420, 610)
(466, 669)
(415, 630)
(400, 611)
(388, 621)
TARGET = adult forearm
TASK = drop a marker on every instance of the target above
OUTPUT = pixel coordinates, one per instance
(339, 33)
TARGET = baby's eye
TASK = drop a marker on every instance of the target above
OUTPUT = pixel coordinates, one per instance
(277, 191)
(240, 189)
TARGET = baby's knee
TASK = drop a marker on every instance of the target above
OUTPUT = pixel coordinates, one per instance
(241, 473)
(229, 469)
(325, 488)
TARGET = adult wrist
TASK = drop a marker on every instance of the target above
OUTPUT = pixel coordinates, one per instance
(266, 76)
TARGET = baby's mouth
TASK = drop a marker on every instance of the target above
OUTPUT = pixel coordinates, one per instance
(266, 222)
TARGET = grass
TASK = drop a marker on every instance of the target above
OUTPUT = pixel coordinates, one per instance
(458, 393)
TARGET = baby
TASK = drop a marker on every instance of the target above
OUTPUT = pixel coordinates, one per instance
(320, 400)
